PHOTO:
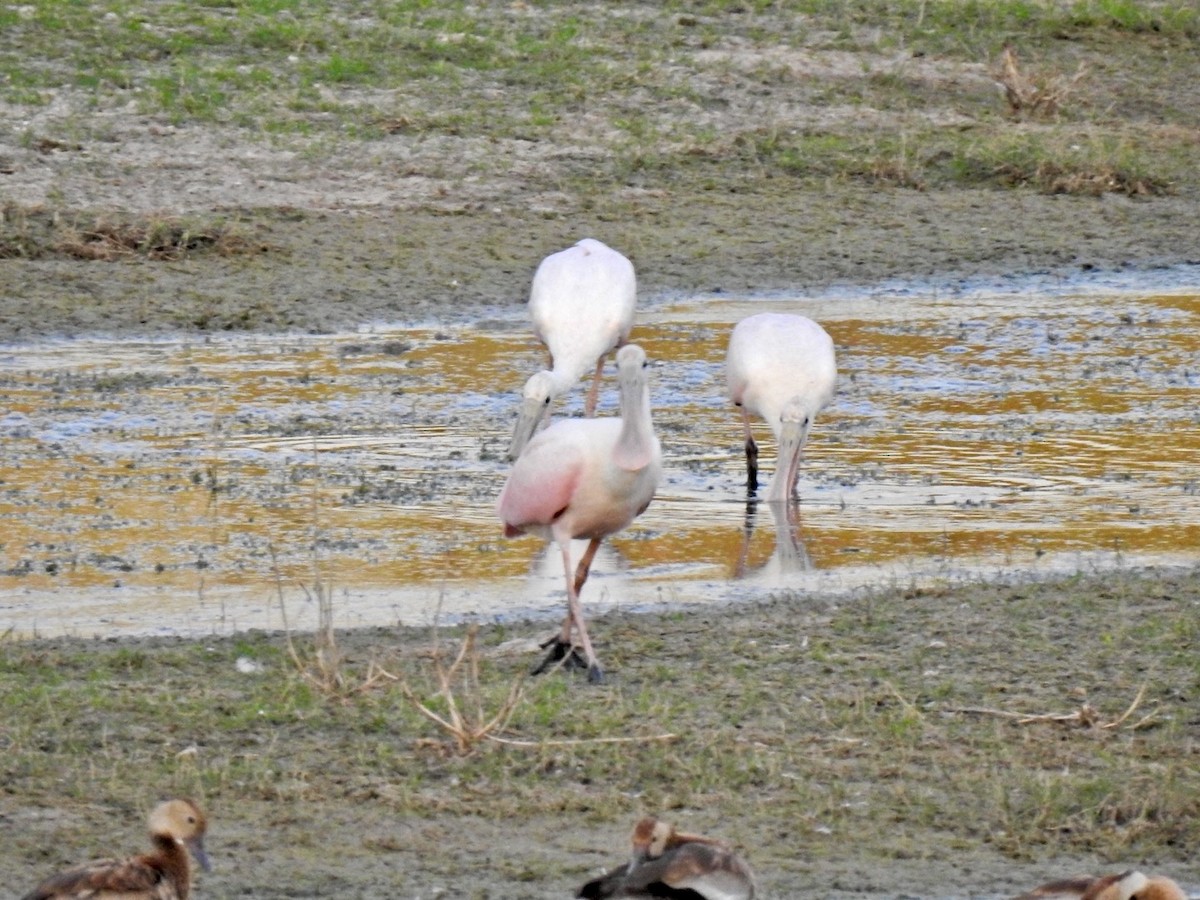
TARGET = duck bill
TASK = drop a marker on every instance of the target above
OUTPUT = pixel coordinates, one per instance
(197, 848)
(528, 418)
(791, 443)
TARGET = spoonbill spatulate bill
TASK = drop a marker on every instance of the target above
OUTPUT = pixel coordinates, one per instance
(581, 304)
(780, 367)
(585, 478)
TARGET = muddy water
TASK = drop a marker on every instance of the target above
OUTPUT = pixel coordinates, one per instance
(204, 485)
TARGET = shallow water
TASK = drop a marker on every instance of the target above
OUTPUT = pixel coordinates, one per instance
(205, 485)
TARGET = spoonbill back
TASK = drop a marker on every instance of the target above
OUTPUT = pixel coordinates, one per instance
(780, 367)
(669, 863)
(585, 478)
(581, 304)
(164, 874)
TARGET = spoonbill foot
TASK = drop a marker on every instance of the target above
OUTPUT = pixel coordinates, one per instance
(568, 656)
(562, 653)
(595, 674)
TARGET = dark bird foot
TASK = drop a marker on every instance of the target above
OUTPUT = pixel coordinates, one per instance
(565, 654)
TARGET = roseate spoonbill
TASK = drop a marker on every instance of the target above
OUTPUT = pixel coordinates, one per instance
(586, 478)
(1129, 885)
(164, 874)
(781, 367)
(668, 863)
(581, 304)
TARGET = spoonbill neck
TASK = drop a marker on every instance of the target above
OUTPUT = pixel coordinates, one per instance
(636, 445)
(792, 436)
(564, 376)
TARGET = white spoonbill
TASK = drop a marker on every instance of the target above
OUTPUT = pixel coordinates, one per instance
(581, 304)
(586, 478)
(781, 367)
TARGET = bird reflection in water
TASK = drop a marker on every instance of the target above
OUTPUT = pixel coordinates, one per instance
(789, 555)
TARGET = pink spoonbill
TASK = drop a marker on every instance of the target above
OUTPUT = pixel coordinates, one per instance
(782, 368)
(586, 478)
(581, 304)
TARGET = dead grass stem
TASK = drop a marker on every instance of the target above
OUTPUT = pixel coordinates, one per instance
(464, 719)
(1086, 716)
(1036, 95)
(39, 232)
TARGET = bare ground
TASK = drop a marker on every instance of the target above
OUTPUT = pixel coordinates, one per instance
(402, 229)
(867, 748)
(405, 229)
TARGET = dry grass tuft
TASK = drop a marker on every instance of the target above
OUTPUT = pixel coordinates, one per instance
(40, 232)
(1087, 716)
(1034, 96)
(464, 719)
(1054, 178)
(322, 666)
(159, 239)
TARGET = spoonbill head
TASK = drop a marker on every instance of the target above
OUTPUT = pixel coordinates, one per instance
(781, 367)
(586, 478)
(539, 392)
(581, 304)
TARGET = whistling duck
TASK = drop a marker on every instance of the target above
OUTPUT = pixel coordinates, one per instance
(669, 863)
(175, 827)
(1129, 885)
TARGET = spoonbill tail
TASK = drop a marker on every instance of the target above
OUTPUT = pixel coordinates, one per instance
(581, 304)
(1129, 885)
(782, 368)
(668, 863)
(162, 875)
(586, 478)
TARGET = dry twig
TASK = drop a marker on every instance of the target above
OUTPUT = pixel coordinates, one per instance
(467, 729)
(580, 742)
(1087, 715)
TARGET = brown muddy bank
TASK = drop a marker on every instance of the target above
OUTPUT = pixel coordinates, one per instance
(966, 741)
(324, 270)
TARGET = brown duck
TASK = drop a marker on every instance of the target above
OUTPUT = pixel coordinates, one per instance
(1129, 885)
(673, 864)
(164, 874)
